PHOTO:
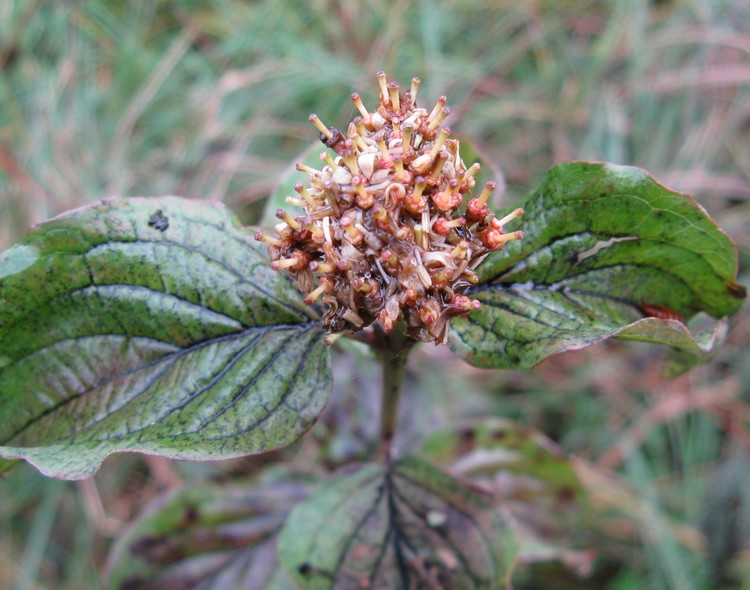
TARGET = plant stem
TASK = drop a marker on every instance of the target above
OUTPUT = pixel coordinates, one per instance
(393, 358)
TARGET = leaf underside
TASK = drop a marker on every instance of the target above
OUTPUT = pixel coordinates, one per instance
(604, 245)
(210, 536)
(528, 473)
(563, 509)
(118, 333)
(403, 525)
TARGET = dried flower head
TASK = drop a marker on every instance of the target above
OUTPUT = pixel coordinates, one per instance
(382, 238)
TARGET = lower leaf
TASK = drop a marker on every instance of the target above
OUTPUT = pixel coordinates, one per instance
(563, 509)
(400, 525)
(210, 537)
(529, 475)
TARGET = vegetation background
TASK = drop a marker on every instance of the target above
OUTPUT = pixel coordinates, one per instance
(210, 100)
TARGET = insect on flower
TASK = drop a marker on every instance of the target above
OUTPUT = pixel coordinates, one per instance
(382, 238)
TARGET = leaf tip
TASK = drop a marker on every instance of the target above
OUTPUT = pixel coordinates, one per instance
(736, 291)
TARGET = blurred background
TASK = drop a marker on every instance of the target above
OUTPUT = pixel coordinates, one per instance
(211, 99)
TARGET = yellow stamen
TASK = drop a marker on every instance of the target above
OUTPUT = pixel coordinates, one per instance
(494, 240)
(457, 222)
(440, 161)
(471, 171)
(427, 315)
(406, 131)
(453, 186)
(439, 142)
(284, 263)
(415, 82)
(383, 86)
(438, 105)
(360, 125)
(385, 320)
(515, 214)
(386, 157)
(315, 230)
(305, 168)
(295, 202)
(419, 187)
(359, 142)
(354, 236)
(444, 112)
(360, 106)
(302, 192)
(310, 298)
(460, 250)
(271, 241)
(443, 201)
(320, 126)
(516, 235)
(396, 133)
(329, 161)
(486, 192)
(364, 199)
(379, 213)
(351, 162)
(389, 256)
(322, 266)
(399, 165)
(393, 89)
(288, 219)
(467, 303)
(470, 277)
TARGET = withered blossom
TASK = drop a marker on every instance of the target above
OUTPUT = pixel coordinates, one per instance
(382, 237)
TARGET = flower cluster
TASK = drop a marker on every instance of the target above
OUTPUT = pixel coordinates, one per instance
(384, 236)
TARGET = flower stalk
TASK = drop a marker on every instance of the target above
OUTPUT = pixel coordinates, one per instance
(393, 348)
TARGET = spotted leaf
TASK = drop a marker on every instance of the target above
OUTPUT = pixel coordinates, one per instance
(151, 325)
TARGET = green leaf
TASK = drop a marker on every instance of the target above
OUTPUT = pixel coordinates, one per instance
(210, 536)
(116, 335)
(602, 241)
(697, 348)
(401, 525)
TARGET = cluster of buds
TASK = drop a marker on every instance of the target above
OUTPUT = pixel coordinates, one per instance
(385, 236)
